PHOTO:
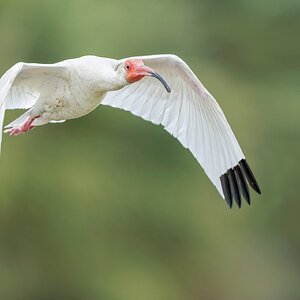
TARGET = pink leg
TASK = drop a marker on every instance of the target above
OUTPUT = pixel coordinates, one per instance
(22, 129)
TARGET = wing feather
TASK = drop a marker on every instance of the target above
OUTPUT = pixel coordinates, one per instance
(189, 113)
(27, 84)
(21, 86)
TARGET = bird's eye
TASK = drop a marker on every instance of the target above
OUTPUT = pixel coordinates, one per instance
(127, 67)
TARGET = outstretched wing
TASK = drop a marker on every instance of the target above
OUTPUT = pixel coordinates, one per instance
(193, 116)
(22, 84)
(25, 82)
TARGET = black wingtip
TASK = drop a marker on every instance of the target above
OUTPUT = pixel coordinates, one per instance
(226, 189)
(249, 175)
(234, 187)
(235, 183)
(243, 187)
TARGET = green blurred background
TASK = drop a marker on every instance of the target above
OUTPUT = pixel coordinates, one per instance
(112, 207)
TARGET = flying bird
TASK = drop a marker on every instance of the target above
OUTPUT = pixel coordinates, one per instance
(159, 88)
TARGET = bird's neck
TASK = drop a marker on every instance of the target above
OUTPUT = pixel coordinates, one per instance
(119, 80)
(118, 83)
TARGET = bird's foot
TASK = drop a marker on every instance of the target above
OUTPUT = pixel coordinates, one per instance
(22, 129)
(17, 130)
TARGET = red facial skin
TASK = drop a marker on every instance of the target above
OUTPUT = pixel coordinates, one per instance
(136, 70)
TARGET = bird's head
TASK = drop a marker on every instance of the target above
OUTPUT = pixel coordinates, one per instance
(135, 70)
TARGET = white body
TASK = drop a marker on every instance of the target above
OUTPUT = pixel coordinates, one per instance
(72, 88)
(74, 93)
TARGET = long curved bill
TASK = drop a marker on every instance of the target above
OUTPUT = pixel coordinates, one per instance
(143, 70)
(157, 76)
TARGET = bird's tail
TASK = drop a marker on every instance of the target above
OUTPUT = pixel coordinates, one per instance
(6, 82)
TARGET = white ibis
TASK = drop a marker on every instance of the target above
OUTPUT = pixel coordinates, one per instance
(74, 87)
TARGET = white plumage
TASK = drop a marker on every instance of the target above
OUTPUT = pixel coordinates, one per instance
(73, 88)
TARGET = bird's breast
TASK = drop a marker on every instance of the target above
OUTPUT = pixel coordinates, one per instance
(69, 100)
(85, 96)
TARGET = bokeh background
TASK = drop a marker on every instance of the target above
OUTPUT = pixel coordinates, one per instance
(112, 207)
